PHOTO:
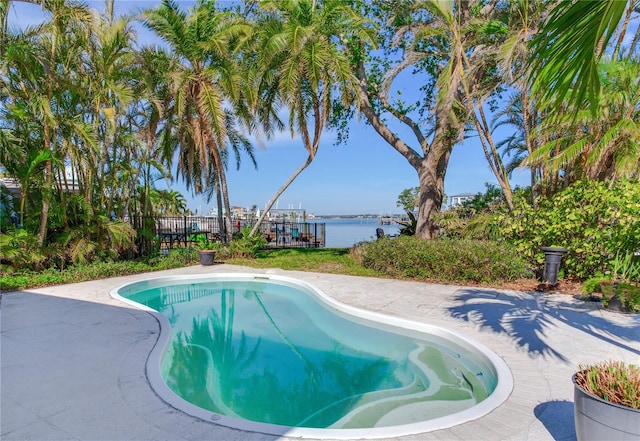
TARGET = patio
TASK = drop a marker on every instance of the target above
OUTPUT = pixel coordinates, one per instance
(73, 358)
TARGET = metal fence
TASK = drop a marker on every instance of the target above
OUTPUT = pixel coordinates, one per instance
(173, 231)
(294, 234)
(184, 231)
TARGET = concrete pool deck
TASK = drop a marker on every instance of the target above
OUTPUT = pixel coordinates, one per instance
(73, 359)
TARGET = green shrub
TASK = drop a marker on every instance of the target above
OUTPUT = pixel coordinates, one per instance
(98, 270)
(409, 226)
(592, 285)
(246, 245)
(626, 268)
(19, 250)
(596, 221)
(443, 260)
(176, 258)
(625, 295)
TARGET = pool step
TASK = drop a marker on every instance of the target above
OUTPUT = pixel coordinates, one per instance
(362, 399)
(444, 390)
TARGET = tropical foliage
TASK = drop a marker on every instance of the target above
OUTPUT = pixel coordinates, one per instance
(302, 54)
(91, 121)
(207, 102)
(604, 147)
(594, 220)
(476, 218)
(443, 260)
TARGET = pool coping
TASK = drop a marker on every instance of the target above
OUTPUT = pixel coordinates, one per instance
(500, 394)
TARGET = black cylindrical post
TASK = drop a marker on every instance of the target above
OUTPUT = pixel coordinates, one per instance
(552, 259)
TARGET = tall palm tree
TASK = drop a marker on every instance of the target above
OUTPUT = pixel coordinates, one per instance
(519, 111)
(148, 117)
(206, 82)
(41, 75)
(480, 83)
(302, 57)
(108, 88)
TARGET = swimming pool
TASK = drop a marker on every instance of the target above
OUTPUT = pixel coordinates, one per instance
(276, 355)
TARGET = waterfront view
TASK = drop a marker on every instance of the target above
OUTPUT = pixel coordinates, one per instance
(346, 232)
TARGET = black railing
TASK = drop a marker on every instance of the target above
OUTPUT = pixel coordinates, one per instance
(294, 234)
(184, 231)
(173, 231)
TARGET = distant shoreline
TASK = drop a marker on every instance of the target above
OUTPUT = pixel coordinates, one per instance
(359, 216)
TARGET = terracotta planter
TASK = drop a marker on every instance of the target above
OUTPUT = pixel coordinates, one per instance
(207, 257)
(597, 419)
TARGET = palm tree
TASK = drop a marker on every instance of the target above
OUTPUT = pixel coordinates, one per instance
(168, 202)
(565, 54)
(108, 88)
(302, 58)
(205, 82)
(521, 116)
(485, 82)
(40, 78)
(601, 147)
(148, 116)
(520, 111)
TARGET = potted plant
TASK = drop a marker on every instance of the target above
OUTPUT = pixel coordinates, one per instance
(206, 249)
(607, 401)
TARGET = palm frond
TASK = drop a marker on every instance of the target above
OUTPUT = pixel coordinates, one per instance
(566, 51)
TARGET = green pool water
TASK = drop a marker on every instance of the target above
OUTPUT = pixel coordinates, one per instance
(270, 352)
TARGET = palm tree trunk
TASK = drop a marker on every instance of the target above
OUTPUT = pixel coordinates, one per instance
(623, 32)
(279, 193)
(219, 204)
(48, 171)
(221, 179)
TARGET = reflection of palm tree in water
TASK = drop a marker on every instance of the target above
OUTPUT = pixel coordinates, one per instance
(310, 367)
(209, 352)
(350, 378)
(218, 370)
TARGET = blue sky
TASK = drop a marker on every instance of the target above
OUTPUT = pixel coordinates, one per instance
(365, 175)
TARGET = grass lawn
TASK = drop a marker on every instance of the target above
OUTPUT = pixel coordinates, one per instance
(322, 260)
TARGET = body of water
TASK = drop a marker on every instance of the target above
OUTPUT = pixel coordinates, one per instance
(344, 233)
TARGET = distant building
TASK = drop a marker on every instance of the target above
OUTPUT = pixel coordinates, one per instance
(13, 187)
(458, 199)
(238, 213)
(10, 195)
(289, 214)
(279, 214)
